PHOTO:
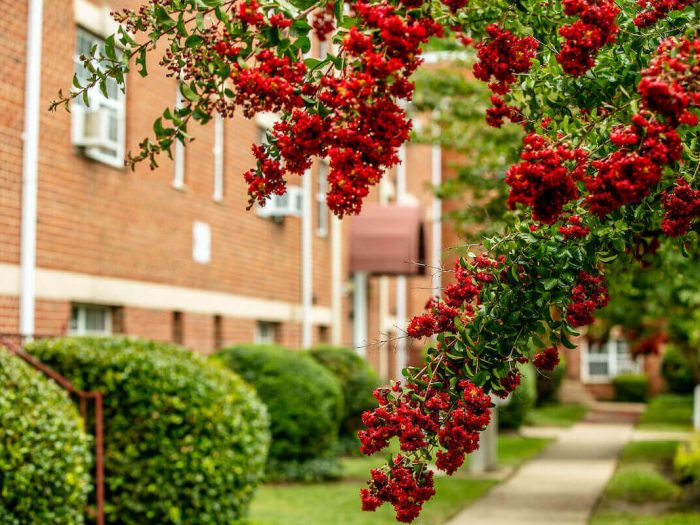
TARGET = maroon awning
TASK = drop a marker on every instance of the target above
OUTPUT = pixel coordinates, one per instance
(387, 240)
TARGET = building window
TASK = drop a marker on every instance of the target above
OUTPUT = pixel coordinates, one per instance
(265, 332)
(99, 127)
(86, 319)
(604, 361)
(177, 335)
(321, 208)
(218, 158)
(218, 332)
(201, 242)
(179, 154)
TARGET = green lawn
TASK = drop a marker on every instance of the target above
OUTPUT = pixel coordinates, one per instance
(668, 412)
(642, 491)
(559, 415)
(332, 503)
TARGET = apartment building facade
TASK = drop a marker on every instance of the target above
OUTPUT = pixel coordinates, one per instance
(90, 247)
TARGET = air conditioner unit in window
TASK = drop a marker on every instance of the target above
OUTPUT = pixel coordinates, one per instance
(287, 205)
(91, 127)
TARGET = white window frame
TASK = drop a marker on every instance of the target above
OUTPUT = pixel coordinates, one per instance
(219, 137)
(322, 216)
(81, 328)
(179, 155)
(97, 101)
(265, 332)
(616, 356)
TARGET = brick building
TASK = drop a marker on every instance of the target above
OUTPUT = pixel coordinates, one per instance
(172, 254)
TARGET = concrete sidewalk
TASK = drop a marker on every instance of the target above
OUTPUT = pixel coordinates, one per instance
(560, 486)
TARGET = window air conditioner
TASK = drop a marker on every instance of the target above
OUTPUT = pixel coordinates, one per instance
(91, 127)
(287, 205)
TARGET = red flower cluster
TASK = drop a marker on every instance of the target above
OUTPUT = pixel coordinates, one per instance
(496, 114)
(324, 22)
(502, 57)
(650, 345)
(655, 10)
(670, 85)
(627, 177)
(399, 486)
(682, 206)
(588, 294)
(509, 383)
(574, 230)
(595, 27)
(459, 298)
(436, 419)
(542, 180)
(547, 360)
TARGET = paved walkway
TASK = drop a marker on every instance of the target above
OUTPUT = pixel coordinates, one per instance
(561, 485)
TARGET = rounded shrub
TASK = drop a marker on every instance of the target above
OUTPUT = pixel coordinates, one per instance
(305, 404)
(677, 371)
(631, 387)
(549, 383)
(185, 439)
(522, 400)
(357, 381)
(44, 452)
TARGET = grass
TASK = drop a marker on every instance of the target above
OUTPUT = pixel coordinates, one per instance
(668, 412)
(641, 492)
(331, 503)
(559, 415)
(641, 484)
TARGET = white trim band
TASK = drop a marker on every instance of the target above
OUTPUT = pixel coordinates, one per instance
(83, 288)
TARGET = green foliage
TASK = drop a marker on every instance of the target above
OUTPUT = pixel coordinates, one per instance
(656, 452)
(640, 484)
(44, 451)
(668, 412)
(677, 371)
(185, 441)
(357, 382)
(687, 460)
(549, 383)
(304, 400)
(631, 387)
(522, 400)
(556, 415)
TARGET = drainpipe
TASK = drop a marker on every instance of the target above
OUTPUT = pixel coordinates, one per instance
(359, 306)
(30, 168)
(436, 256)
(401, 281)
(336, 281)
(306, 260)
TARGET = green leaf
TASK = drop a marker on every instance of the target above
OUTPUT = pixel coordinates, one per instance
(551, 283)
(188, 92)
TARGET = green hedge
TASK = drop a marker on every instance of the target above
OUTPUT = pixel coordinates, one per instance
(631, 387)
(687, 460)
(44, 452)
(186, 440)
(522, 400)
(304, 401)
(677, 371)
(357, 380)
(549, 383)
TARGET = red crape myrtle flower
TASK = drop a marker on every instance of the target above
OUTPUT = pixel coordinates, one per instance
(595, 27)
(655, 10)
(589, 293)
(682, 206)
(543, 180)
(547, 360)
(502, 57)
(573, 228)
(650, 345)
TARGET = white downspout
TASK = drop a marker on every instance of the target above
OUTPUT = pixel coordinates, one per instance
(359, 307)
(436, 256)
(30, 168)
(307, 260)
(336, 281)
(401, 281)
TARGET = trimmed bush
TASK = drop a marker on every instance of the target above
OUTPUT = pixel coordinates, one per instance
(304, 401)
(357, 382)
(44, 452)
(631, 387)
(641, 484)
(687, 460)
(522, 400)
(677, 371)
(185, 439)
(548, 383)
